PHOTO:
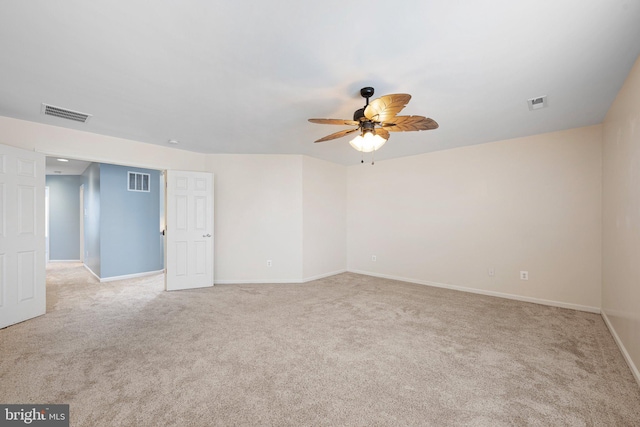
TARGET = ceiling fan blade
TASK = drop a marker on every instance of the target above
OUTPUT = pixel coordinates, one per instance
(334, 122)
(409, 123)
(386, 107)
(382, 132)
(337, 135)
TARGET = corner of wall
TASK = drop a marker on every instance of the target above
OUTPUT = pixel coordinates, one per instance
(621, 218)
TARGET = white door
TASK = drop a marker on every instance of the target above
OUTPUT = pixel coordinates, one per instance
(189, 232)
(22, 240)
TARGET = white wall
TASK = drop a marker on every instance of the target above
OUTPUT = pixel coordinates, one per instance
(258, 217)
(447, 217)
(565, 206)
(258, 200)
(324, 201)
(289, 209)
(75, 144)
(621, 219)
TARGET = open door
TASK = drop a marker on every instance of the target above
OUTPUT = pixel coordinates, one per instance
(22, 235)
(189, 230)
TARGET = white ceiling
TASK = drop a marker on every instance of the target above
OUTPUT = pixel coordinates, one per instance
(244, 77)
(56, 166)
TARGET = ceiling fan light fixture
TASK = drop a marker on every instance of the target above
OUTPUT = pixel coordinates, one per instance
(367, 142)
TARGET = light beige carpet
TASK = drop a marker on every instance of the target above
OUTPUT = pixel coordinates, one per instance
(345, 350)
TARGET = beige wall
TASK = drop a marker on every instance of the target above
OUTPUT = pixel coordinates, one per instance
(447, 217)
(258, 199)
(258, 217)
(442, 218)
(75, 144)
(621, 218)
(324, 201)
(289, 209)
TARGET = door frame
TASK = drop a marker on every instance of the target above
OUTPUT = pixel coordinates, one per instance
(89, 158)
(47, 247)
(81, 195)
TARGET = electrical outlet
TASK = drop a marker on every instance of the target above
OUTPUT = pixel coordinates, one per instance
(492, 272)
(524, 275)
(269, 263)
(373, 258)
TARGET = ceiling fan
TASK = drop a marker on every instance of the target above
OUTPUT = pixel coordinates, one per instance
(376, 119)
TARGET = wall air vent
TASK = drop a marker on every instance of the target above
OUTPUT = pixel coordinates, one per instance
(138, 182)
(63, 113)
(537, 103)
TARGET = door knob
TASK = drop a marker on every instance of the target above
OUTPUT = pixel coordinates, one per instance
(206, 235)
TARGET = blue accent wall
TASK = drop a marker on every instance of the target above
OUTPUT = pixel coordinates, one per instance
(91, 181)
(130, 238)
(121, 228)
(64, 217)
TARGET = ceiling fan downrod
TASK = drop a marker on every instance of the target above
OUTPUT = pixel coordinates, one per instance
(366, 92)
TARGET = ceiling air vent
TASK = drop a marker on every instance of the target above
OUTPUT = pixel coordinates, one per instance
(63, 113)
(537, 103)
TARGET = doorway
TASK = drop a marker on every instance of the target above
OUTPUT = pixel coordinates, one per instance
(112, 229)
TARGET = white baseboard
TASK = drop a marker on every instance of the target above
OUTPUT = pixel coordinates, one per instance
(485, 292)
(256, 281)
(130, 276)
(127, 276)
(322, 276)
(64, 260)
(91, 271)
(625, 353)
(276, 281)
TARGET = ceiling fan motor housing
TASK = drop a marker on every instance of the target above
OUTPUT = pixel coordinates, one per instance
(366, 92)
(367, 126)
